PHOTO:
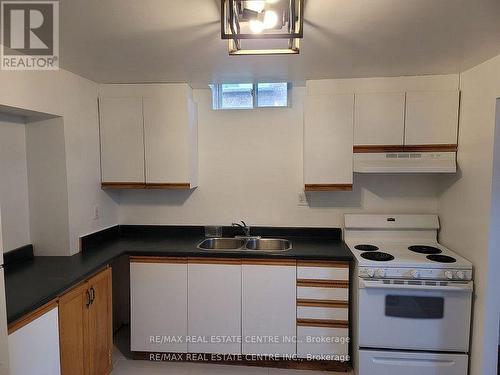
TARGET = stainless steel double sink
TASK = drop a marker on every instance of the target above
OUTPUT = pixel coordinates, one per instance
(269, 245)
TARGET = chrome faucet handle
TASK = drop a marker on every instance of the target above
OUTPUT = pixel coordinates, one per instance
(244, 227)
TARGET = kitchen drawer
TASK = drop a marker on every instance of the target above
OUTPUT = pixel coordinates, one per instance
(331, 343)
(319, 293)
(328, 313)
(330, 271)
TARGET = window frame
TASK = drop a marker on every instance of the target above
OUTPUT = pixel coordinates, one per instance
(216, 89)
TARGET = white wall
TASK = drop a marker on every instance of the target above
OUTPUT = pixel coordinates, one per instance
(47, 185)
(75, 99)
(465, 207)
(13, 182)
(251, 169)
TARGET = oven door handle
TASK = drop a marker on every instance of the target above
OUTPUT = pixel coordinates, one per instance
(414, 362)
(369, 284)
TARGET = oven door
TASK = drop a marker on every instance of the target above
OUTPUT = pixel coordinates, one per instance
(374, 362)
(408, 315)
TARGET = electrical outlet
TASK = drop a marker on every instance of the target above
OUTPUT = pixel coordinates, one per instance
(303, 199)
(96, 212)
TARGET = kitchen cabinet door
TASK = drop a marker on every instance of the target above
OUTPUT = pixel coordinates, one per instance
(73, 326)
(214, 300)
(328, 142)
(100, 323)
(34, 348)
(168, 145)
(431, 118)
(268, 307)
(379, 119)
(85, 321)
(158, 298)
(122, 140)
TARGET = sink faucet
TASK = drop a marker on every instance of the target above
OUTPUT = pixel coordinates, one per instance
(244, 227)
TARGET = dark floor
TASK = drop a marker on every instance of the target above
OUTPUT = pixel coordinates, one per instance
(121, 341)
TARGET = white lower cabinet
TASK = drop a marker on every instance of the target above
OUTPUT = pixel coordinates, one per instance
(214, 306)
(158, 302)
(268, 307)
(323, 310)
(234, 306)
(34, 348)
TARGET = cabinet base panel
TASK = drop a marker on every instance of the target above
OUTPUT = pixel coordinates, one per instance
(298, 364)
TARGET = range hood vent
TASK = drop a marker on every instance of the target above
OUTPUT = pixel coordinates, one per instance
(406, 162)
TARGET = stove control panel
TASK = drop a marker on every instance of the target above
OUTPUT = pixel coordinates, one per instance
(415, 273)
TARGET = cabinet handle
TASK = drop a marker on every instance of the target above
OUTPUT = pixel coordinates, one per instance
(92, 295)
(89, 299)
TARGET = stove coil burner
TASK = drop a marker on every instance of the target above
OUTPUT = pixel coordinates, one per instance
(364, 247)
(441, 258)
(421, 249)
(378, 256)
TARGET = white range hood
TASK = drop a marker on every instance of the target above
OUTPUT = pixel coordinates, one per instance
(406, 162)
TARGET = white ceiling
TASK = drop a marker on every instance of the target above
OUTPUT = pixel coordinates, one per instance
(179, 40)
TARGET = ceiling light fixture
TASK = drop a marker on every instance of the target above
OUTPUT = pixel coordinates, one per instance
(262, 27)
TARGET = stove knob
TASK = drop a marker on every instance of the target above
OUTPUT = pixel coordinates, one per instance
(448, 275)
(461, 275)
(414, 274)
(380, 273)
(370, 272)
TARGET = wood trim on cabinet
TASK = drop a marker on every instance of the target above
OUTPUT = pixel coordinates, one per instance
(269, 262)
(364, 149)
(173, 185)
(224, 261)
(319, 263)
(431, 148)
(323, 303)
(27, 319)
(142, 185)
(322, 323)
(328, 187)
(156, 259)
(123, 185)
(316, 283)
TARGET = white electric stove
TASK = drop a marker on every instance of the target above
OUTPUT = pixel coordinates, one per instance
(412, 297)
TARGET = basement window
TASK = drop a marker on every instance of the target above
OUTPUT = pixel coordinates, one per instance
(250, 95)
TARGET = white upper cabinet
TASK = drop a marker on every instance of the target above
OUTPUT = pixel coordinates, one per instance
(379, 119)
(431, 118)
(149, 136)
(328, 142)
(169, 125)
(122, 139)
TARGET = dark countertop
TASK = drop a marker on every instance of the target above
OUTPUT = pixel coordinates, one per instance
(32, 283)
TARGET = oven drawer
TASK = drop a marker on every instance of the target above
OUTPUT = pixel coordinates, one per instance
(328, 271)
(375, 362)
(321, 293)
(328, 313)
(331, 343)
